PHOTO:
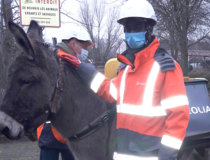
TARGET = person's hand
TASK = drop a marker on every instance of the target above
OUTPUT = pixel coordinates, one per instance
(74, 61)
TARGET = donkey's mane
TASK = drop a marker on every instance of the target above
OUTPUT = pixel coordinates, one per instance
(47, 48)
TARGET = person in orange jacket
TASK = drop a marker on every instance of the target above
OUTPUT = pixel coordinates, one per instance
(152, 106)
(51, 143)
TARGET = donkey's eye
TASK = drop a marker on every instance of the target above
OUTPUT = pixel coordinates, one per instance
(25, 82)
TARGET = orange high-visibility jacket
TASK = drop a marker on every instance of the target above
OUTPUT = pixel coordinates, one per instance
(152, 107)
(55, 134)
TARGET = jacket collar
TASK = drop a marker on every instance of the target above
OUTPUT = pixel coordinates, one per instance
(62, 46)
(147, 53)
(141, 56)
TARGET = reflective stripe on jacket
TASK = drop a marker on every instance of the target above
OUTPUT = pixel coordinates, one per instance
(150, 105)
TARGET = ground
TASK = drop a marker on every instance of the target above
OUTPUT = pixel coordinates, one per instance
(22, 149)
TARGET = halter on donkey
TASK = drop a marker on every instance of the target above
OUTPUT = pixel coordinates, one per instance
(32, 79)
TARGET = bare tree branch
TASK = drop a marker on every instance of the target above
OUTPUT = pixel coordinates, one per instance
(182, 24)
(72, 18)
(199, 40)
(106, 32)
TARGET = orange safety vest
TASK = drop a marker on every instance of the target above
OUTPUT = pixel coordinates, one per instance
(61, 52)
(55, 133)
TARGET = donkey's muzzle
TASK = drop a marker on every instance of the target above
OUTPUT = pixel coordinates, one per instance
(11, 135)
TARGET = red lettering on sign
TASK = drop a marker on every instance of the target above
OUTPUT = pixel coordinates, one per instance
(47, 1)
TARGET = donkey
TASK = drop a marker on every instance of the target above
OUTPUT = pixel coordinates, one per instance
(30, 89)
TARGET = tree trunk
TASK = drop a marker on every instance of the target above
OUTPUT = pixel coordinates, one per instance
(184, 52)
(176, 53)
(172, 52)
(1, 28)
(184, 61)
(7, 49)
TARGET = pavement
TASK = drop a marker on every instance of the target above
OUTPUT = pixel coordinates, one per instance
(22, 149)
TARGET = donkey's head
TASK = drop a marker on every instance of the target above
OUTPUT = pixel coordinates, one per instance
(31, 78)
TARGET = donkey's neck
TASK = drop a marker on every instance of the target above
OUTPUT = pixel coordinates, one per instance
(78, 106)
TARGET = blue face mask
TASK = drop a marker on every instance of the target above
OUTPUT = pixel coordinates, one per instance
(83, 55)
(135, 40)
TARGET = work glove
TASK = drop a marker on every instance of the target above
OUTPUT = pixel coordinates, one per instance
(86, 71)
(74, 61)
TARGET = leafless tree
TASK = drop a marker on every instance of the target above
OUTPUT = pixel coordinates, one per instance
(1, 26)
(182, 23)
(6, 49)
(100, 21)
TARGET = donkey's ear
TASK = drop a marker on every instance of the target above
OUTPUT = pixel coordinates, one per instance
(21, 39)
(35, 32)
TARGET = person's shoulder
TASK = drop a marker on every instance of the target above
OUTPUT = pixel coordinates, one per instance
(165, 60)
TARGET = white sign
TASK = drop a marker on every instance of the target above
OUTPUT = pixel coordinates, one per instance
(45, 12)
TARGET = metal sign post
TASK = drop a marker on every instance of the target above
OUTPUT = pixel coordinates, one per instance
(45, 12)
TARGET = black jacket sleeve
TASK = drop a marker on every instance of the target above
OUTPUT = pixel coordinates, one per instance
(167, 153)
(86, 72)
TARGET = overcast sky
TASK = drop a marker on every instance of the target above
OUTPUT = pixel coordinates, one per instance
(70, 6)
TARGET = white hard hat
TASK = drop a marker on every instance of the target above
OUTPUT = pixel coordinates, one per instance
(138, 9)
(78, 33)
